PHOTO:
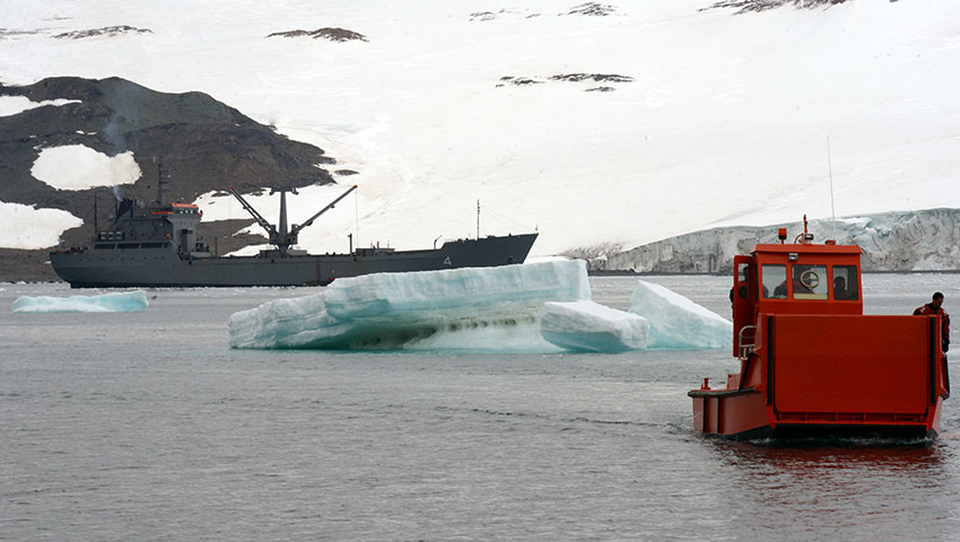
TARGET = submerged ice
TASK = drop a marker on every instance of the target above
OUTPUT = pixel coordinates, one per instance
(112, 302)
(540, 307)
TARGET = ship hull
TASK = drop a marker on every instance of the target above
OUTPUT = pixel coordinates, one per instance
(164, 266)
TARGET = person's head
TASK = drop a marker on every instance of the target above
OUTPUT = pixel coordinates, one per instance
(937, 300)
(839, 283)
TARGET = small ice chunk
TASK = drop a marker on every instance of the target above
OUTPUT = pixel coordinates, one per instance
(134, 301)
(676, 322)
(588, 326)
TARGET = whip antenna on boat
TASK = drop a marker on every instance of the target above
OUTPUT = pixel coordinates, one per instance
(478, 219)
(833, 210)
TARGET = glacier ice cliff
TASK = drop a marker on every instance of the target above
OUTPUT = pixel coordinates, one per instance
(927, 240)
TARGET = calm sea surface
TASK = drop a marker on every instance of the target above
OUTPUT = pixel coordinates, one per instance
(146, 426)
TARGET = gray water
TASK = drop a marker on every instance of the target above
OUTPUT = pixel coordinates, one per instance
(146, 426)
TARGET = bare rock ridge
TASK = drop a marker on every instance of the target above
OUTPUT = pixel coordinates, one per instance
(748, 6)
(587, 9)
(330, 34)
(109, 31)
(588, 78)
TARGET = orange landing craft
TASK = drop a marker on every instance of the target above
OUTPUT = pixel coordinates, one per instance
(811, 363)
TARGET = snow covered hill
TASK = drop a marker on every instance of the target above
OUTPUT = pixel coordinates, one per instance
(617, 124)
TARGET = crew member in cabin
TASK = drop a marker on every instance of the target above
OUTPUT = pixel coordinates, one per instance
(840, 289)
(934, 307)
(743, 286)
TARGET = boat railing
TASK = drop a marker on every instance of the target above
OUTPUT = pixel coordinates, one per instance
(747, 340)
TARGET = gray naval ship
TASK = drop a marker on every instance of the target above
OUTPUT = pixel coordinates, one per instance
(157, 246)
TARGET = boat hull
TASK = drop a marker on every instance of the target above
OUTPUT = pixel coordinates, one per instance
(743, 415)
(881, 375)
(165, 267)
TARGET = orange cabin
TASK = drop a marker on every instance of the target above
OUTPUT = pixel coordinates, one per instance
(811, 362)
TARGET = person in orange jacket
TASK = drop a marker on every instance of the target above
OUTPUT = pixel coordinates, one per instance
(934, 307)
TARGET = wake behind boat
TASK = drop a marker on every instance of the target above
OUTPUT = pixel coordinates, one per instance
(157, 246)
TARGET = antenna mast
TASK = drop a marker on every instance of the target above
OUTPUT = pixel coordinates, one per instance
(833, 210)
(478, 219)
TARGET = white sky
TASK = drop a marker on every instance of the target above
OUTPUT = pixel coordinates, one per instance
(726, 122)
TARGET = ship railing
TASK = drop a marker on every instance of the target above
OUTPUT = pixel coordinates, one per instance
(747, 340)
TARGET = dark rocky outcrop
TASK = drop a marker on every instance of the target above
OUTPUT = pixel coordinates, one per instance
(747, 6)
(330, 34)
(109, 31)
(611, 78)
(592, 9)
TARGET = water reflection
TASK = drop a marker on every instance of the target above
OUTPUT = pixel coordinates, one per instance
(841, 489)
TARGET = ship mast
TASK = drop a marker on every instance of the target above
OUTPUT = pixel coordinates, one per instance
(284, 237)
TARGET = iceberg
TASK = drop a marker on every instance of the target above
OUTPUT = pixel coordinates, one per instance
(134, 301)
(458, 309)
(591, 327)
(540, 307)
(677, 322)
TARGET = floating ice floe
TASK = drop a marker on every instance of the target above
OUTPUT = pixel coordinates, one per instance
(540, 307)
(677, 322)
(588, 326)
(134, 301)
(477, 309)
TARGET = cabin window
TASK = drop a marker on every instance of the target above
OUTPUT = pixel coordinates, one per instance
(845, 283)
(809, 281)
(774, 279)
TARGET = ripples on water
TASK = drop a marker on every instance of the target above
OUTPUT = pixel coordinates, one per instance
(147, 427)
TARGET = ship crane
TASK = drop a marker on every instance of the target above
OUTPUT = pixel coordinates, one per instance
(283, 237)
